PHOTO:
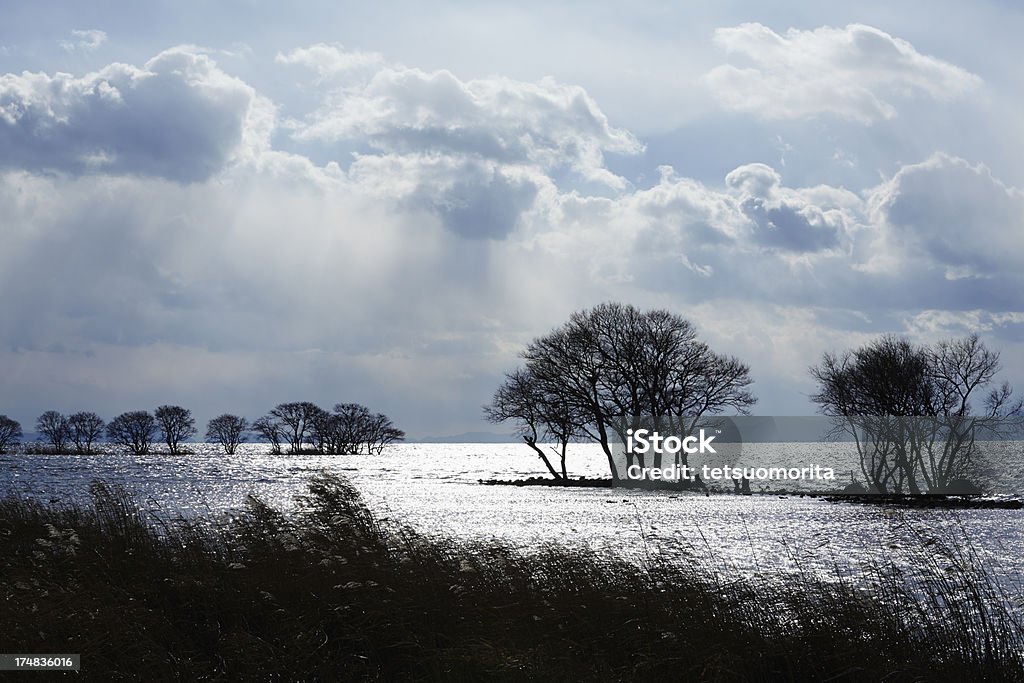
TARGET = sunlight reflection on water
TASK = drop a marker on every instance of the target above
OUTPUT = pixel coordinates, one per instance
(433, 487)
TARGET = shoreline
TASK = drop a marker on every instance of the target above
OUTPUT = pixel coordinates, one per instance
(927, 500)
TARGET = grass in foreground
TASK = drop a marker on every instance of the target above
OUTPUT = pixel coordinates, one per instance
(333, 593)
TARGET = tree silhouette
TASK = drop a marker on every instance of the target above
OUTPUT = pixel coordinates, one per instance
(351, 428)
(539, 416)
(176, 425)
(54, 427)
(613, 365)
(85, 429)
(270, 429)
(296, 420)
(228, 431)
(911, 408)
(10, 433)
(133, 430)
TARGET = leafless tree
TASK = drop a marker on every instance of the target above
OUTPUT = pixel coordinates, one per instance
(176, 425)
(540, 417)
(613, 365)
(10, 433)
(296, 420)
(85, 430)
(54, 427)
(911, 408)
(133, 430)
(350, 421)
(228, 431)
(380, 433)
(326, 432)
(351, 429)
(270, 429)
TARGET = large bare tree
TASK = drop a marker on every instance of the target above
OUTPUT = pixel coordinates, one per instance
(612, 366)
(296, 419)
(539, 416)
(228, 431)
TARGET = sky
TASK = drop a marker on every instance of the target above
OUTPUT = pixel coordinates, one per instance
(229, 205)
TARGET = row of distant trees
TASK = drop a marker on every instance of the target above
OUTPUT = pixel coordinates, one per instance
(301, 426)
(915, 412)
(350, 428)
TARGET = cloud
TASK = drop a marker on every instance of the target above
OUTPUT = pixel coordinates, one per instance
(86, 40)
(725, 237)
(544, 123)
(784, 218)
(330, 60)
(178, 117)
(474, 215)
(475, 151)
(954, 214)
(855, 73)
(473, 197)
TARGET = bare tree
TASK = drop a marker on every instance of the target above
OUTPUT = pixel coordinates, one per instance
(133, 430)
(54, 427)
(911, 408)
(296, 420)
(351, 421)
(539, 417)
(352, 429)
(176, 425)
(85, 429)
(10, 433)
(322, 431)
(380, 433)
(228, 431)
(613, 365)
(270, 429)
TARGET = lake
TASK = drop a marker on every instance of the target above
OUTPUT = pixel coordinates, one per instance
(434, 488)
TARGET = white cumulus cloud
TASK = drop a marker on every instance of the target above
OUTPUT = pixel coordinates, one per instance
(179, 116)
(856, 72)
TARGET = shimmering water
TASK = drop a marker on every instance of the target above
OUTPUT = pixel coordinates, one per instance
(434, 488)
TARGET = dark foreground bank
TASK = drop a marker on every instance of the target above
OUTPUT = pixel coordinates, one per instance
(334, 593)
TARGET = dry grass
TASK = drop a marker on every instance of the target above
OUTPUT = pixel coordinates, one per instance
(332, 593)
